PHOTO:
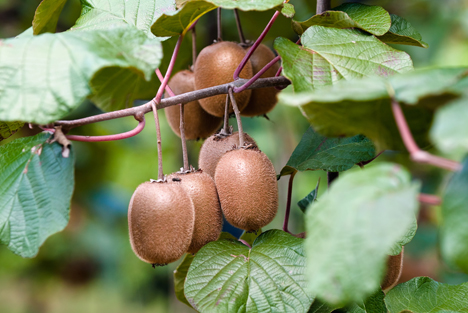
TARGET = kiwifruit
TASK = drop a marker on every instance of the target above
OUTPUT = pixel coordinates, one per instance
(197, 123)
(247, 188)
(215, 65)
(215, 147)
(394, 269)
(208, 216)
(160, 222)
(262, 100)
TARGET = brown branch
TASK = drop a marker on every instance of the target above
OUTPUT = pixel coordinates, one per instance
(183, 98)
(323, 5)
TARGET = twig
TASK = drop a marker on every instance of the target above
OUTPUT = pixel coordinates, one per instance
(220, 28)
(257, 76)
(158, 134)
(238, 118)
(288, 203)
(239, 27)
(416, 154)
(323, 5)
(183, 98)
(331, 176)
(429, 199)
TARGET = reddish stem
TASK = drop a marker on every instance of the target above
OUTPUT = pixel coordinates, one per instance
(239, 27)
(255, 45)
(288, 203)
(169, 70)
(257, 76)
(429, 199)
(238, 118)
(279, 71)
(416, 154)
(134, 132)
(245, 243)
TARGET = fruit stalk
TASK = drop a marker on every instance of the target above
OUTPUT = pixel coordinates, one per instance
(416, 154)
(158, 134)
(429, 199)
(288, 203)
(255, 45)
(257, 76)
(238, 118)
(239, 27)
(323, 5)
(226, 116)
(219, 26)
(194, 45)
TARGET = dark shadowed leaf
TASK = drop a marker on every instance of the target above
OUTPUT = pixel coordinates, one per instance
(424, 295)
(180, 275)
(317, 152)
(227, 276)
(403, 33)
(47, 15)
(306, 202)
(9, 128)
(354, 227)
(371, 18)
(36, 185)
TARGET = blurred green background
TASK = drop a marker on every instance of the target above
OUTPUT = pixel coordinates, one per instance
(90, 267)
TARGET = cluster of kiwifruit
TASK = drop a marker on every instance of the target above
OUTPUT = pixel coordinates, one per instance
(184, 211)
(215, 65)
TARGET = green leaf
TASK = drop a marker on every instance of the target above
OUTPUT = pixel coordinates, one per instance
(305, 203)
(36, 185)
(403, 33)
(450, 127)
(34, 89)
(321, 307)
(180, 275)
(453, 230)
(317, 152)
(288, 10)
(424, 295)
(353, 228)
(7, 129)
(247, 5)
(178, 23)
(363, 106)
(106, 15)
(374, 304)
(47, 15)
(227, 276)
(250, 237)
(371, 18)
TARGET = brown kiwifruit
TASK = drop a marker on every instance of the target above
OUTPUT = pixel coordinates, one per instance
(197, 123)
(247, 188)
(394, 269)
(215, 147)
(215, 65)
(161, 219)
(208, 216)
(262, 100)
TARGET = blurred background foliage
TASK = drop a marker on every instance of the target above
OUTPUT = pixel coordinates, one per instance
(90, 267)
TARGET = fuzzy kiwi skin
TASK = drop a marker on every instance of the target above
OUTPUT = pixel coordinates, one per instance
(215, 147)
(208, 215)
(161, 220)
(394, 269)
(247, 188)
(262, 100)
(197, 123)
(215, 65)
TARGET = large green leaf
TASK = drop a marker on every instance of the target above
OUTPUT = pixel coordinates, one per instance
(454, 230)
(371, 18)
(44, 77)
(9, 128)
(36, 185)
(317, 152)
(354, 227)
(424, 295)
(403, 33)
(180, 274)
(331, 54)
(363, 106)
(227, 276)
(450, 127)
(247, 5)
(47, 15)
(374, 304)
(178, 23)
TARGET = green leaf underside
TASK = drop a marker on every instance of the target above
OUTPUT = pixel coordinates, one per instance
(178, 23)
(36, 185)
(450, 127)
(453, 230)
(307, 202)
(355, 226)
(363, 107)
(226, 276)
(403, 33)
(371, 18)
(424, 295)
(106, 15)
(179, 278)
(247, 5)
(7, 129)
(317, 152)
(43, 78)
(47, 15)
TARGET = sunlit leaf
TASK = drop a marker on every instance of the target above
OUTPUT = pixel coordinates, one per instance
(47, 15)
